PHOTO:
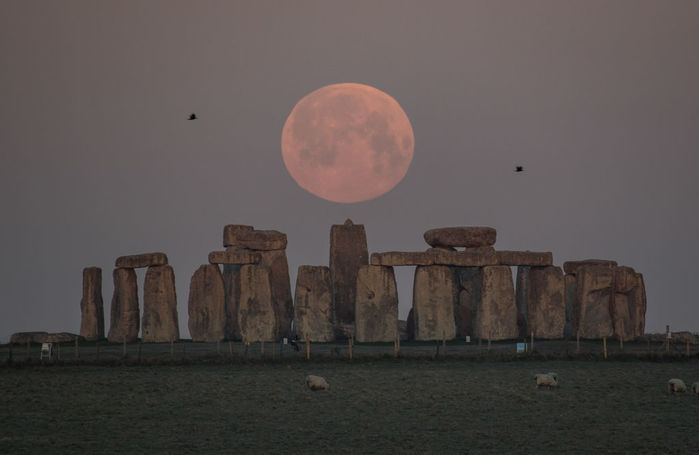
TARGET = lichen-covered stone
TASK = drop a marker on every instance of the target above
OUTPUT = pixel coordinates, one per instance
(433, 303)
(91, 305)
(594, 291)
(313, 304)
(546, 302)
(497, 312)
(376, 308)
(160, 322)
(467, 281)
(256, 315)
(348, 252)
(207, 305)
(124, 314)
(276, 262)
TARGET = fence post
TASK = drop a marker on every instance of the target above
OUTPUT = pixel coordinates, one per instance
(97, 345)
(532, 342)
(489, 340)
(77, 349)
(444, 344)
(59, 350)
(604, 344)
(140, 343)
(350, 343)
(396, 344)
(667, 338)
(308, 348)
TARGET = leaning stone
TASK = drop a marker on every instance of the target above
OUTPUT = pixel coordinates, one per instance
(207, 305)
(497, 313)
(525, 258)
(436, 256)
(242, 237)
(433, 303)
(160, 321)
(546, 302)
(256, 315)
(91, 305)
(467, 236)
(124, 314)
(348, 252)
(467, 281)
(571, 267)
(276, 262)
(239, 257)
(313, 304)
(376, 307)
(136, 261)
(594, 291)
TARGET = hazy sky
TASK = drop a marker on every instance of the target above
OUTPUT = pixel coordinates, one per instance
(598, 100)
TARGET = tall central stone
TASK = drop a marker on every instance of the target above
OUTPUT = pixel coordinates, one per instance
(348, 253)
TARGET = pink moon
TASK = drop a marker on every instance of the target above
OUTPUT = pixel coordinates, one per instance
(347, 143)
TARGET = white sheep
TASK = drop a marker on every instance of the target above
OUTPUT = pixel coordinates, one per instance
(675, 385)
(695, 387)
(317, 383)
(546, 380)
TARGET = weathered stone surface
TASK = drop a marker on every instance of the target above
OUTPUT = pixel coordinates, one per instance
(571, 267)
(256, 315)
(276, 262)
(239, 257)
(313, 304)
(43, 337)
(628, 305)
(571, 292)
(91, 305)
(527, 258)
(624, 279)
(467, 281)
(348, 252)
(522, 299)
(207, 305)
(376, 307)
(245, 237)
(436, 256)
(433, 303)
(136, 261)
(464, 236)
(497, 313)
(594, 292)
(160, 321)
(637, 299)
(125, 314)
(231, 286)
(546, 302)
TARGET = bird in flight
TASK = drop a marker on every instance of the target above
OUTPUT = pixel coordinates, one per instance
(192, 116)
(519, 169)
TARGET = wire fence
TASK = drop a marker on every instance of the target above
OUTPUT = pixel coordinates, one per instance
(185, 351)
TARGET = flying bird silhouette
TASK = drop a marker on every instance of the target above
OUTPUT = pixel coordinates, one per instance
(519, 169)
(192, 116)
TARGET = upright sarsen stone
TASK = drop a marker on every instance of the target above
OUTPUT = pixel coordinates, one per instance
(160, 321)
(571, 292)
(348, 252)
(468, 295)
(546, 302)
(497, 312)
(256, 315)
(376, 306)
(231, 288)
(594, 293)
(313, 304)
(433, 303)
(124, 314)
(276, 262)
(206, 307)
(91, 305)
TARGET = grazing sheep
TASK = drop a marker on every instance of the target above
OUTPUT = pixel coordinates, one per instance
(695, 387)
(676, 386)
(316, 383)
(546, 380)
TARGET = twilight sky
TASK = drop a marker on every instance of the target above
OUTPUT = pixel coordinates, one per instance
(598, 100)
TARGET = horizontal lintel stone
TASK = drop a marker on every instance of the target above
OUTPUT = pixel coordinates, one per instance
(435, 256)
(136, 261)
(234, 257)
(525, 258)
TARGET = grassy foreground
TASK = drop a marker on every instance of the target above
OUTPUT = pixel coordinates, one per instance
(401, 406)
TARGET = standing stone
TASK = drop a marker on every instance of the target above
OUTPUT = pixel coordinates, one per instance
(594, 294)
(256, 315)
(376, 307)
(546, 303)
(276, 262)
(91, 305)
(637, 299)
(624, 283)
(467, 281)
(433, 303)
(313, 304)
(124, 315)
(348, 252)
(522, 299)
(160, 322)
(497, 312)
(571, 292)
(231, 287)
(207, 305)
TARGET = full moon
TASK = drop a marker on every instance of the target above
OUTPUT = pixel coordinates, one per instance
(347, 143)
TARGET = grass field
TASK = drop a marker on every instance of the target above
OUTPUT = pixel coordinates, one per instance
(387, 406)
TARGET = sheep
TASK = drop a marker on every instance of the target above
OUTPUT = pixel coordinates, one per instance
(546, 380)
(675, 385)
(316, 383)
(695, 387)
